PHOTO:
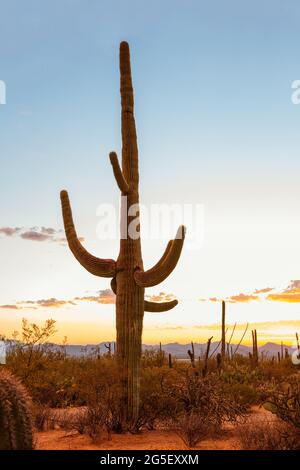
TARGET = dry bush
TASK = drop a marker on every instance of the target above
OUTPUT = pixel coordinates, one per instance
(244, 394)
(268, 434)
(202, 407)
(284, 401)
(91, 420)
(156, 402)
(44, 417)
(206, 396)
(192, 427)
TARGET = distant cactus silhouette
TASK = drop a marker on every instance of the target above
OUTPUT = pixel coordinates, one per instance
(15, 415)
(128, 276)
(223, 338)
(254, 348)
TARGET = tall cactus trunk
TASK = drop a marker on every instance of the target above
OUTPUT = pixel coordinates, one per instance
(129, 296)
(223, 338)
(128, 276)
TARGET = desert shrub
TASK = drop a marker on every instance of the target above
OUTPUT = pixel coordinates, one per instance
(243, 394)
(284, 401)
(44, 417)
(156, 403)
(191, 427)
(272, 370)
(154, 358)
(268, 434)
(236, 373)
(91, 420)
(203, 407)
(96, 421)
(99, 384)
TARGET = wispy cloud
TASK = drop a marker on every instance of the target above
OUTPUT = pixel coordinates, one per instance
(9, 231)
(265, 290)
(36, 234)
(161, 297)
(291, 294)
(51, 302)
(242, 298)
(105, 296)
(10, 307)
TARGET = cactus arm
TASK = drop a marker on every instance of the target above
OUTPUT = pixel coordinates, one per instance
(96, 266)
(165, 265)
(157, 307)
(120, 179)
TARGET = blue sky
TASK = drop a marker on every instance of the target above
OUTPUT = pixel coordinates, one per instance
(215, 123)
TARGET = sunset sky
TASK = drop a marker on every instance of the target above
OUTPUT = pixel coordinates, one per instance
(216, 127)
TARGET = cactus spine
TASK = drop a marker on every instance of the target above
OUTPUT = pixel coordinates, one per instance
(15, 415)
(129, 278)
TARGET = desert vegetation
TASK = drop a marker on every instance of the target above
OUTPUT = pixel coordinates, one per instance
(82, 395)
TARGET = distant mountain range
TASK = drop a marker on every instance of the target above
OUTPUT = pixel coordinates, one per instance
(180, 350)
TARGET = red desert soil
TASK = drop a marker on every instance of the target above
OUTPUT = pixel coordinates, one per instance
(146, 440)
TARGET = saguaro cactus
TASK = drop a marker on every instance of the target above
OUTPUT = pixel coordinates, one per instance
(254, 348)
(129, 278)
(223, 338)
(15, 416)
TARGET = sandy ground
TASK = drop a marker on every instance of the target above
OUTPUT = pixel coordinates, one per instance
(146, 440)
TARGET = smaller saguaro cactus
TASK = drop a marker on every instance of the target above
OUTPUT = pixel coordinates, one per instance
(281, 350)
(254, 348)
(191, 354)
(15, 414)
(170, 361)
(286, 351)
(223, 338)
(205, 368)
(108, 347)
(278, 356)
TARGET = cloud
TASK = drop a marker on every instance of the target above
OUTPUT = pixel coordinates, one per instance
(105, 296)
(10, 306)
(263, 291)
(166, 327)
(291, 297)
(233, 298)
(48, 231)
(9, 231)
(161, 297)
(242, 298)
(291, 294)
(37, 234)
(51, 302)
(293, 286)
